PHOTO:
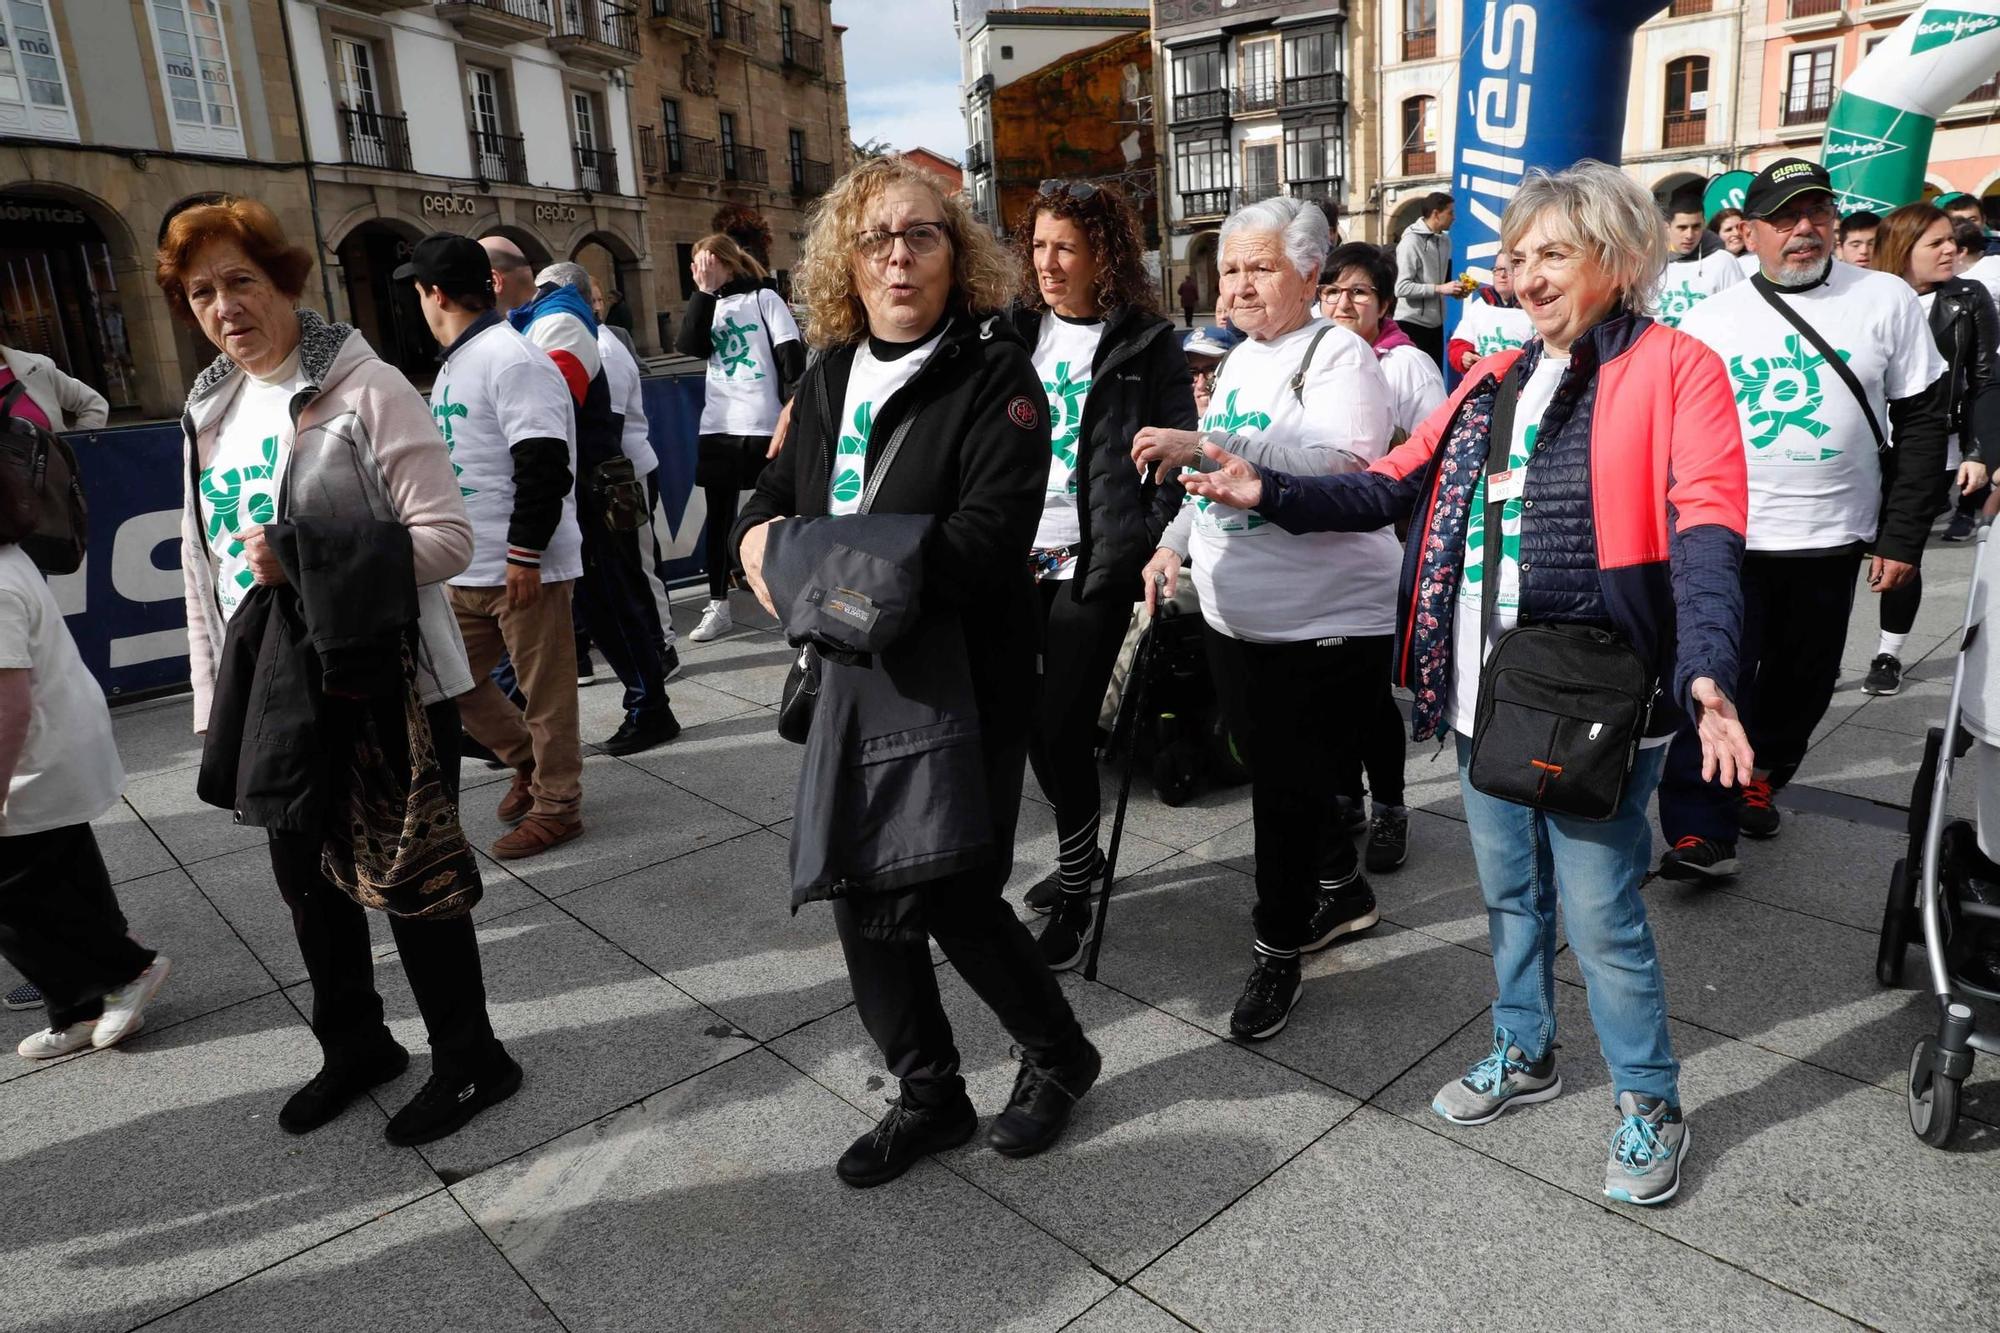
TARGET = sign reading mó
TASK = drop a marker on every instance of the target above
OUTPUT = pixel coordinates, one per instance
(555, 212)
(449, 204)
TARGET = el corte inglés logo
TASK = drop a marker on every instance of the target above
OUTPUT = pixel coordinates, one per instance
(1941, 27)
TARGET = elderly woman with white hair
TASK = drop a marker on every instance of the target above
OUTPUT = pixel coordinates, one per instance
(1299, 625)
(1621, 502)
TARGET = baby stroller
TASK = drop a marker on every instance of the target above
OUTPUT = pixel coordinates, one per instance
(1921, 911)
(1182, 733)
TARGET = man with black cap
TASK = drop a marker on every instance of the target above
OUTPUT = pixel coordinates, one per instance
(1829, 363)
(506, 416)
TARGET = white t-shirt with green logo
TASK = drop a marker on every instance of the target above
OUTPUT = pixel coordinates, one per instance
(1064, 351)
(1815, 480)
(740, 393)
(239, 487)
(1492, 328)
(1686, 284)
(1468, 652)
(1258, 582)
(870, 385)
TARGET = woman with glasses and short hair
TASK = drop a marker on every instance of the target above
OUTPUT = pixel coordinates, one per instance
(903, 289)
(1110, 365)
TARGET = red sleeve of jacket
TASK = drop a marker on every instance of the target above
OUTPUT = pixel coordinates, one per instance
(1459, 354)
(1708, 479)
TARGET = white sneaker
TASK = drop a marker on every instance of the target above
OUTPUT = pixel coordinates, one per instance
(51, 1042)
(122, 1007)
(715, 622)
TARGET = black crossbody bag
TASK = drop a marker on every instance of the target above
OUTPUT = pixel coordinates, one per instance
(1562, 708)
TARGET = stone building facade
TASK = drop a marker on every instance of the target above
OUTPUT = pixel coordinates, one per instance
(1077, 118)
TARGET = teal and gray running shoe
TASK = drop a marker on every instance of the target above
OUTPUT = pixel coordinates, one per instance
(1647, 1149)
(1499, 1081)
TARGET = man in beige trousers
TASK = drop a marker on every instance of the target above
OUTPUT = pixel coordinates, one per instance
(505, 414)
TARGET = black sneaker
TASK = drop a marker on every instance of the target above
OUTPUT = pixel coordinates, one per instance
(586, 671)
(446, 1105)
(1756, 813)
(1347, 910)
(1695, 860)
(643, 732)
(1066, 935)
(1269, 997)
(1043, 1097)
(906, 1133)
(336, 1085)
(1885, 675)
(1960, 527)
(1043, 894)
(1388, 841)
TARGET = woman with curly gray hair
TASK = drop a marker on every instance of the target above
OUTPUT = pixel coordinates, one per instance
(917, 368)
(1621, 508)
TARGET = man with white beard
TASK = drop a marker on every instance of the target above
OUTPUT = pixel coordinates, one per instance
(1826, 359)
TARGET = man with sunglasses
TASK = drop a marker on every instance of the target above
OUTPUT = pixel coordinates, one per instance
(1828, 362)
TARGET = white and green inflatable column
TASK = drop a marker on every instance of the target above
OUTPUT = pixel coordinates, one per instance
(1878, 135)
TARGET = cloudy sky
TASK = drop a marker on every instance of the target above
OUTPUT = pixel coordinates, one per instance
(902, 73)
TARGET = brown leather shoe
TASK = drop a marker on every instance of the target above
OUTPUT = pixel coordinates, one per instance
(515, 805)
(535, 835)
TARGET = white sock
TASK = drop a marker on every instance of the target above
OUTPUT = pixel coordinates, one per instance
(1892, 644)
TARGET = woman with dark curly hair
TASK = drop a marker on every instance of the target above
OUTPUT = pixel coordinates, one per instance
(1110, 364)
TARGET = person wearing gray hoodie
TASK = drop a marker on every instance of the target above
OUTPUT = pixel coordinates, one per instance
(1423, 275)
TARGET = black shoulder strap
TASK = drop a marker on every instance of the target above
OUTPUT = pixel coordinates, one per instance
(11, 396)
(1499, 448)
(1826, 351)
(1305, 364)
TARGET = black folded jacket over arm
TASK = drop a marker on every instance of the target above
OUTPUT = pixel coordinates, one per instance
(542, 480)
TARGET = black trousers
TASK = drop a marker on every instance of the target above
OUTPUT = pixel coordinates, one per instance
(1292, 708)
(1899, 605)
(440, 958)
(895, 984)
(619, 614)
(1381, 748)
(1080, 643)
(1429, 337)
(60, 925)
(722, 505)
(1795, 613)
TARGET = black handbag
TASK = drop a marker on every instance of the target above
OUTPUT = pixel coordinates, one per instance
(1562, 708)
(619, 494)
(801, 694)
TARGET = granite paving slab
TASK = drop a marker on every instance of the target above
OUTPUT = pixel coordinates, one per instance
(423, 1266)
(1382, 1225)
(129, 848)
(1036, 848)
(740, 763)
(1799, 1175)
(1125, 1311)
(731, 1174)
(722, 930)
(1831, 868)
(146, 1176)
(1179, 1125)
(191, 830)
(156, 736)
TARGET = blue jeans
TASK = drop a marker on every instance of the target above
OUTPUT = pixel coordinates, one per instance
(1525, 859)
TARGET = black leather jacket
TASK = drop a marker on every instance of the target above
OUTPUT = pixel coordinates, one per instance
(1967, 329)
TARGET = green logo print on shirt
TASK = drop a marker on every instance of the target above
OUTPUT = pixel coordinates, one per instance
(1494, 341)
(851, 454)
(732, 345)
(234, 503)
(1227, 418)
(444, 411)
(1675, 302)
(1781, 391)
(1510, 519)
(1066, 415)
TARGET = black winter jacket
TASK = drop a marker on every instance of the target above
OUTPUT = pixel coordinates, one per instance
(1139, 377)
(977, 457)
(1968, 335)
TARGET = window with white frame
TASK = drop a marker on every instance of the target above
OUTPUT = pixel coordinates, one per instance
(194, 64)
(593, 167)
(34, 92)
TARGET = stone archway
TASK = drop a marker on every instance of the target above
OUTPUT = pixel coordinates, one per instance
(72, 288)
(1203, 251)
(386, 311)
(539, 254)
(614, 263)
(1669, 185)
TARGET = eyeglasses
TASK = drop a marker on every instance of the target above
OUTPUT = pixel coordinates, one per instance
(1355, 295)
(1204, 372)
(922, 237)
(1081, 191)
(1819, 208)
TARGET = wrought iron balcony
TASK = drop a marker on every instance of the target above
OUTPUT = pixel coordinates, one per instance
(1257, 97)
(976, 158)
(1315, 89)
(1420, 43)
(1684, 129)
(376, 140)
(1807, 103)
(810, 179)
(745, 165)
(1210, 105)
(1326, 191)
(596, 170)
(500, 157)
(732, 25)
(498, 21)
(689, 16)
(596, 34)
(1207, 203)
(803, 54)
(697, 159)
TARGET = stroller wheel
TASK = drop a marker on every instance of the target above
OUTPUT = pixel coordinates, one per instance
(1894, 946)
(1933, 1099)
(1175, 775)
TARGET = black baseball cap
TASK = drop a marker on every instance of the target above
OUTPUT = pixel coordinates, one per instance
(451, 263)
(1781, 182)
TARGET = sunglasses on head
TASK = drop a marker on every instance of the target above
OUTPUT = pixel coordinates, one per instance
(1081, 191)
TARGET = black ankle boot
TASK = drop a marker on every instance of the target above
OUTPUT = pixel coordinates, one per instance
(339, 1082)
(907, 1133)
(1044, 1096)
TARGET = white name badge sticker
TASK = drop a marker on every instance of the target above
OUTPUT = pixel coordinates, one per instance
(1508, 485)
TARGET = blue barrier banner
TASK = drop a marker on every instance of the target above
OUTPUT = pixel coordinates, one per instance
(126, 607)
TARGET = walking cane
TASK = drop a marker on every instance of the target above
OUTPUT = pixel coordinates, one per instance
(1129, 710)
